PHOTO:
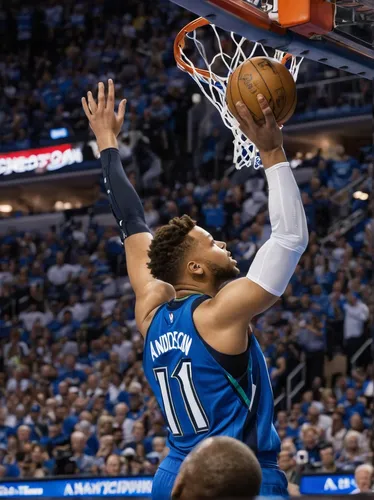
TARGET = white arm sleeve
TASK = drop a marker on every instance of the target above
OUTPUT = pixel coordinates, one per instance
(276, 261)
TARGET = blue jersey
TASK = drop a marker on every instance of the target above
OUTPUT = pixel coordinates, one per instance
(197, 395)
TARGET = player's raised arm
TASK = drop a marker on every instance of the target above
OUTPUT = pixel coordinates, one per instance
(275, 262)
(125, 203)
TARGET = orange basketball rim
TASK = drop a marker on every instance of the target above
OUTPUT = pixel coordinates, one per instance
(179, 45)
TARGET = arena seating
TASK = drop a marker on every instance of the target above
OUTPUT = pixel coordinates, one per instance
(74, 399)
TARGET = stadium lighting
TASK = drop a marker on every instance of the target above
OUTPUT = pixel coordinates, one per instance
(359, 195)
(196, 98)
(59, 205)
(6, 209)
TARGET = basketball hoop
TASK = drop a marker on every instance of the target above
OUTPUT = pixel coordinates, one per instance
(213, 85)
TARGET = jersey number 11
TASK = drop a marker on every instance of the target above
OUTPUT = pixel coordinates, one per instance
(194, 408)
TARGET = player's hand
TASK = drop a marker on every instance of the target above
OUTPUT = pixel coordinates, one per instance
(267, 136)
(104, 121)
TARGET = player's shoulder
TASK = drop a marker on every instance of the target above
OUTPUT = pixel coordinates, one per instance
(225, 297)
(155, 294)
(226, 337)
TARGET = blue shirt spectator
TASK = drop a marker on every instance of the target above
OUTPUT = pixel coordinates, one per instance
(214, 213)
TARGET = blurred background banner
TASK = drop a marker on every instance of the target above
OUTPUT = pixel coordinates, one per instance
(314, 484)
(327, 484)
(133, 487)
(28, 163)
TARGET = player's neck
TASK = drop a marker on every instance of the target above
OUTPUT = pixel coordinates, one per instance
(184, 289)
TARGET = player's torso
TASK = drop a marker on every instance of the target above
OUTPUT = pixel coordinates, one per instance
(199, 398)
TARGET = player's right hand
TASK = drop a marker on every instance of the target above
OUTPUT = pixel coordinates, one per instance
(266, 137)
(104, 121)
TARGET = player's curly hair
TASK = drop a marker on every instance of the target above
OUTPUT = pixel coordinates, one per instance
(169, 247)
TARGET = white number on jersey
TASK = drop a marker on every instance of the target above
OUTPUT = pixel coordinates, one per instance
(195, 411)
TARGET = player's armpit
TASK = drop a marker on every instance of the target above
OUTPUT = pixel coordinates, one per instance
(223, 321)
(150, 293)
(154, 294)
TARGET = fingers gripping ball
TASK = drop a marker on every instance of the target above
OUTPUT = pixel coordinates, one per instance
(266, 76)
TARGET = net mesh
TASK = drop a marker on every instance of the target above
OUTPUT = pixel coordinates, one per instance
(213, 85)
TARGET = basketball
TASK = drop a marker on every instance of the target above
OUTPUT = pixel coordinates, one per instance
(266, 76)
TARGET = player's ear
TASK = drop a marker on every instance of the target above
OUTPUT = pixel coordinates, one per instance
(195, 269)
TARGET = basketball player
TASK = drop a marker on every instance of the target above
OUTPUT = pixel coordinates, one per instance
(205, 368)
(219, 467)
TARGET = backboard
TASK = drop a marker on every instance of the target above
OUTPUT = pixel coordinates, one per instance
(338, 33)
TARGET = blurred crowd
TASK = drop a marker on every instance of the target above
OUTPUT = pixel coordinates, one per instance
(52, 52)
(73, 393)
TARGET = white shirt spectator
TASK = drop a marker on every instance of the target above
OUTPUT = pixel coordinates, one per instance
(6, 277)
(127, 426)
(123, 350)
(337, 440)
(113, 392)
(70, 347)
(324, 422)
(369, 391)
(107, 307)
(22, 345)
(79, 237)
(13, 385)
(79, 311)
(29, 318)
(11, 420)
(151, 218)
(354, 319)
(125, 151)
(59, 275)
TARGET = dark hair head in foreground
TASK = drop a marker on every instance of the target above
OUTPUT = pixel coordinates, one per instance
(220, 467)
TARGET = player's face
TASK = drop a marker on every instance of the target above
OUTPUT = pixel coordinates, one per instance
(213, 256)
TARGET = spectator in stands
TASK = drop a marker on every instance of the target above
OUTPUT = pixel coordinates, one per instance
(287, 464)
(59, 274)
(16, 349)
(310, 337)
(107, 447)
(38, 457)
(214, 213)
(113, 465)
(352, 454)
(364, 475)
(83, 462)
(356, 313)
(23, 436)
(318, 420)
(342, 168)
(27, 468)
(104, 425)
(310, 437)
(351, 405)
(328, 464)
(336, 433)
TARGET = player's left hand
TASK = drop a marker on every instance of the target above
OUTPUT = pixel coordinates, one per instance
(101, 115)
(267, 137)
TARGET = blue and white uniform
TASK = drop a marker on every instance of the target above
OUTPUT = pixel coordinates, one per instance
(206, 393)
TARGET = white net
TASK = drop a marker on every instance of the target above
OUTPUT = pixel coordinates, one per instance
(213, 85)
